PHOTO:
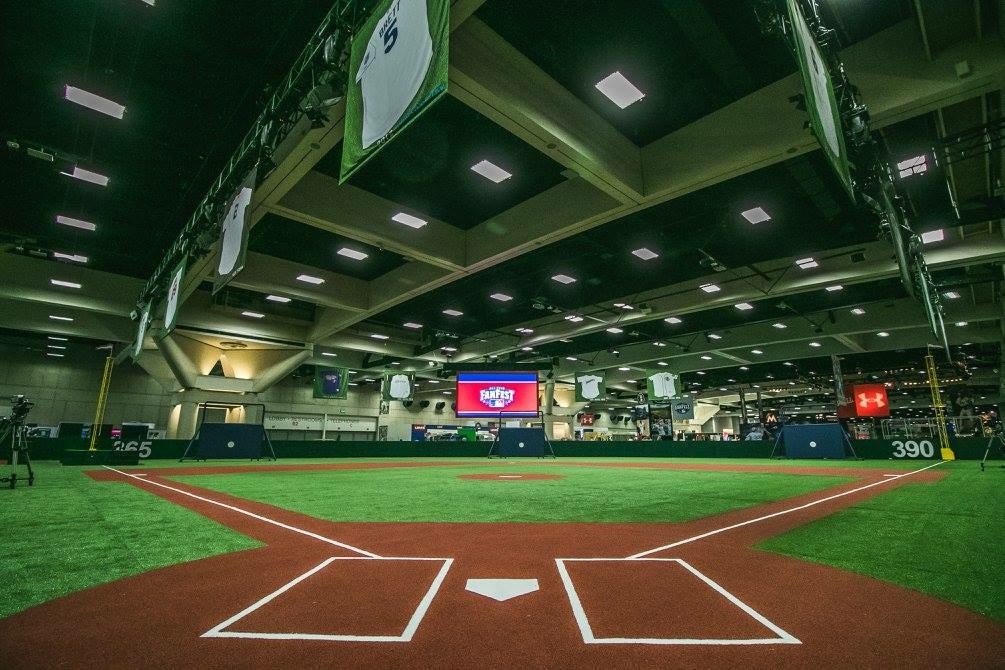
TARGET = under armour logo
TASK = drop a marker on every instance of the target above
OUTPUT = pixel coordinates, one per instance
(876, 400)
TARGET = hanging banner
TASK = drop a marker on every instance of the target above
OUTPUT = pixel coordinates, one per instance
(682, 409)
(397, 386)
(590, 386)
(397, 69)
(234, 233)
(331, 383)
(661, 385)
(821, 102)
(141, 330)
(174, 290)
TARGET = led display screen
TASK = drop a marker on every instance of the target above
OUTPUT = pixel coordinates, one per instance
(497, 394)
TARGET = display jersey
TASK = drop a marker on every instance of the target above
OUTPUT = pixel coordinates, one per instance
(232, 236)
(393, 66)
(589, 386)
(399, 387)
(664, 384)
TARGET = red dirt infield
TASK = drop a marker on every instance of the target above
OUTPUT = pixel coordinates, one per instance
(832, 618)
(510, 477)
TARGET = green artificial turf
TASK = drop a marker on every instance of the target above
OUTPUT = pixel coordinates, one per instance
(945, 539)
(584, 494)
(68, 532)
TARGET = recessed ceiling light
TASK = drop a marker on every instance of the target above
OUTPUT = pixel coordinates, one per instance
(623, 305)
(574, 318)
(449, 349)
(501, 297)
(66, 284)
(60, 318)
(779, 326)
(645, 254)
(525, 331)
(706, 357)
(74, 223)
(815, 344)
(788, 363)
(54, 355)
(673, 320)
(277, 298)
(409, 220)
(614, 330)
(961, 323)
(352, 253)
(57, 339)
(253, 315)
(491, 171)
(744, 368)
(55, 346)
(714, 336)
(624, 369)
(308, 279)
(412, 325)
(87, 175)
(710, 288)
(912, 166)
(95, 102)
(744, 306)
(330, 354)
(835, 287)
(857, 311)
(563, 279)
(700, 372)
(807, 263)
(619, 90)
(659, 344)
(73, 258)
(933, 236)
(882, 333)
(571, 358)
(453, 312)
(526, 348)
(663, 363)
(951, 295)
(378, 336)
(756, 215)
(756, 352)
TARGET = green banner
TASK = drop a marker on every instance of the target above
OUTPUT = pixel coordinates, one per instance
(591, 386)
(141, 330)
(173, 297)
(397, 69)
(331, 383)
(397, 386)
(821, 102)
(662, 385)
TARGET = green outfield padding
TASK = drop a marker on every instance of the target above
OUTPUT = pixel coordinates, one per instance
(98, 457)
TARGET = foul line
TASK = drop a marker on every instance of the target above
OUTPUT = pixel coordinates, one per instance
(245, 512)
(784, 511)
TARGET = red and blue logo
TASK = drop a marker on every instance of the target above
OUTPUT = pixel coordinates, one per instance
(495, 394)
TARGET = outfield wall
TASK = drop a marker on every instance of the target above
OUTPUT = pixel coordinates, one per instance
(965, 448)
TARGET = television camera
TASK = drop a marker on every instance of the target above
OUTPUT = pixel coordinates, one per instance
(14, 435)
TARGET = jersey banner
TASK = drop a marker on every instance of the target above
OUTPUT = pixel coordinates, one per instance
(397, 386)
(590, 386)
(662, 385)
(234, 233)
(397, 68)
(141, 330)
(174, 291)
(495, 394)
(682, 409)
(331, 383)
(821, 102)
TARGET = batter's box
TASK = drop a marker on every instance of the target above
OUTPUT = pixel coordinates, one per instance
(659, 601)
(347, 599)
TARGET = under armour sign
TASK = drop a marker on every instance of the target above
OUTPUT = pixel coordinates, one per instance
(870, 400)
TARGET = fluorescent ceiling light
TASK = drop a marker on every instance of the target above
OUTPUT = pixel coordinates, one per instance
(714, 336)
(779, 326)
(961, 324)
(756, 352)
(619, 90)
(623, 369)
(882, 333)
(564, 279)
(933, 236)
(330, 354)
(412, 325)
(807, 263)
(571, 358)
(277, 298)
(574, 318)
(75, 223)
(501, 297)
(951, 295)
(87, 175)
(491, 171)
(815, 344)
(73, 258)
(378, 336)
(57, 339)
(744, 368)
(645, 254)
(409, 220)
(449, 349)
(453, 312)
(912, 166)
(352, 253)
(835, 287)
(614, 330)
(706, 358)
(672, 319)
(659, 344)
(663, 363)
(253, 315)
(744, 306)
(95, 102)
(525, 331)
(54, 355)
(55, 346)
(756, 215)
(526, 348)
(857, 311)
(700, 372)
(308, 279)
(710, 288)
(67, 284)
(60, 318)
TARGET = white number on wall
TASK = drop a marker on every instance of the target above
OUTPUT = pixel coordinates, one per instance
(912, 449)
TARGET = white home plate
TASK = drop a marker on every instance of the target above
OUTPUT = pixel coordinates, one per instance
(510, 476)
(502, 589)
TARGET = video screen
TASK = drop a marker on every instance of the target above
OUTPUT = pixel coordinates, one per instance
(497, 394)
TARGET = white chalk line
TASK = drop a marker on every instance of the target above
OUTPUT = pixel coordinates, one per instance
(245, 512)
(710, 533)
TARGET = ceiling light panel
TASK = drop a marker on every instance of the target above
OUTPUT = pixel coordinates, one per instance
(309, 279)
(756, 215)
(87, 175)
(74, 223)
(645, 254)
(619, 90)
(95, 102)
(352, 253)
(563, 279)
(491, 171)
(409, 220)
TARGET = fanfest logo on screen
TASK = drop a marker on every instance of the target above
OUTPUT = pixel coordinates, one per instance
(494, 394)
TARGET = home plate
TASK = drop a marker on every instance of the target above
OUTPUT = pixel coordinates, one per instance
(502, 589)
(510, 476)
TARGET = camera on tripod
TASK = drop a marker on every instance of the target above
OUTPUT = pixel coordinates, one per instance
(14, 435)
(19, 408)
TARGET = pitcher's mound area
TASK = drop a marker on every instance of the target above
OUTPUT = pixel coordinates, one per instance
(513, 477)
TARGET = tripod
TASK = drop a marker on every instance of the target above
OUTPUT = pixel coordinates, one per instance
(1001, 445)
(15, 434)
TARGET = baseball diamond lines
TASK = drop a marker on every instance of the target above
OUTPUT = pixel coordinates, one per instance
(588, 612)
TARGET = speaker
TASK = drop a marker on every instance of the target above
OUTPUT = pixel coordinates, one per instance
(423, 404)
(440, 405)
(453, 406)
(406, 403)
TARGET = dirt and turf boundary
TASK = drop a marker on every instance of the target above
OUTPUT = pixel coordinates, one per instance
(838, 618)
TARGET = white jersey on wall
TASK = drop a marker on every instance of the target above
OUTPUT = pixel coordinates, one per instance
(393, 66)
(664, 384)
(400, 387)
(589, 386)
